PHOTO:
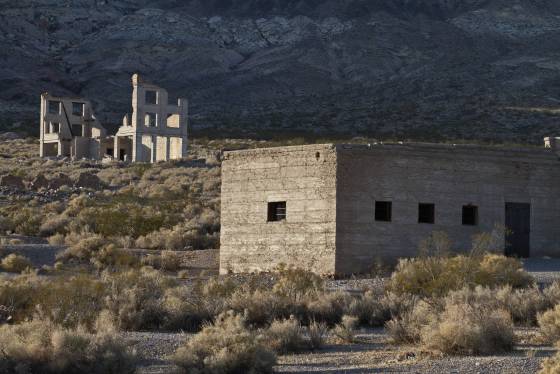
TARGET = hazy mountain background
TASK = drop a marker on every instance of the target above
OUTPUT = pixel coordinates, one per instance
(486, 69)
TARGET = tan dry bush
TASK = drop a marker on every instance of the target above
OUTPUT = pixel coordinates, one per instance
(261, 307)
(551, 365)
(286, 336)
(83, 250)
(346, 329)
(14, 263)
(42, 347)
(187, 312)
(469, 329)
(326, 307)
(227, 347)
(369, 309)
(318, 332)
(54, 224)
(552, 294)
(407, 326)
(549, 324)
(297, 284)
(57, 239)
(134, 297)
(523, 304)
(109, 256)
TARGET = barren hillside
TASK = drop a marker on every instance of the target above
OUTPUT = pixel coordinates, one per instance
(485, 69)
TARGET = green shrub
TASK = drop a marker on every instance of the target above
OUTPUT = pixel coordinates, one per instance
(226, 347)
(42, 347)
(14, 263)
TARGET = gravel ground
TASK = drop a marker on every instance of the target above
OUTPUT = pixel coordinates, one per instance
(372, 354)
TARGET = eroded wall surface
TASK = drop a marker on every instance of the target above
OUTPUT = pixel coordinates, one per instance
(449, 177)
(302, 176)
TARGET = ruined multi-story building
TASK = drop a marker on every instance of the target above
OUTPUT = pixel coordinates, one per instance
(338, 209)
(69, 128)
(156, 131)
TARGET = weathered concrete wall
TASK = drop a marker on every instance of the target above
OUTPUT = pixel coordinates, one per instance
(449, 177)
(302, 176)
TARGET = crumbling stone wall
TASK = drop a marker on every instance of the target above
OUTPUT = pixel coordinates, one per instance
(302, 176)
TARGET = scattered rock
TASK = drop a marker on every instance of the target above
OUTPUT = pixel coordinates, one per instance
(89, 181)
(39, 182)
(12, 181)
(60, 180)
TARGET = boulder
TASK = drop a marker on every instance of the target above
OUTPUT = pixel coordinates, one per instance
(60, 180)
(12, 181)
(89, 181)
(39, 182)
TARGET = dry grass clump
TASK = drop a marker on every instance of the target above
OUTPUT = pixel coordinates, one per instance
(346, 330)
(318, 332)
(469, 329)
(464, 322)
(436, 276)
(167, 261)
(551, 365)
(14, 263)
(226, 347)
(111, 257)
(549, 324)
(82, 247)
(42, 347)
(286, 336)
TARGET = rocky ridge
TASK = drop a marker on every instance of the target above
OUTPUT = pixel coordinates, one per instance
(485, 69)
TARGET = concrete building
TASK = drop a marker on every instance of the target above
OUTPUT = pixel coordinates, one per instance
(336, 209)
(156, 131)
(69, 129)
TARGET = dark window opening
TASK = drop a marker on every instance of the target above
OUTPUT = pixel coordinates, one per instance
(110, 151)
(55, 128)
(77, 130)
(318, 155)
(54, 107)
(78, 109)
(426, 213)
(151, 119)
(151, 97)
(122, 154)
(470, 215)
(383, 211)
(277, 211)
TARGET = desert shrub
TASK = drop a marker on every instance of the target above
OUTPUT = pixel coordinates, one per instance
(261, 307)
(370, 309)
(84, 249)
(326, 307)
(134, 297)
(184, 311)
(436, 276)
(549, 324)
(551, 365)
(464, 328)
(346, 330)
(297, 284)
(54, 224)
(523, 304)
(27, 221)
(112, 257)
(317, 334)
(14, 263)
(407, 326)
(286, 336)
(42, 347)
(552, 294)
(226, 347)
(170, 261)
(57, 239)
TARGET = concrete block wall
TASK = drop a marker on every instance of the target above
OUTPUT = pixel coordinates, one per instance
(302, 176)
(449, 177)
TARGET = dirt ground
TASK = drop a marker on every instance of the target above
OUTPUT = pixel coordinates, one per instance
(372, 353)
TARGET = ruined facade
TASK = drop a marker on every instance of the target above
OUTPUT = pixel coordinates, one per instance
(338, 209)
(156, 131)
(69, 128)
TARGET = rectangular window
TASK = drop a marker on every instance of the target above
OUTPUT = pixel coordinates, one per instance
(151, 97)
(78, 109)
(426, 213)
(150, 120)
(55, 127)
(277, 211)
(77, 130)
(470, 215)
(383, 211)
(54, 107)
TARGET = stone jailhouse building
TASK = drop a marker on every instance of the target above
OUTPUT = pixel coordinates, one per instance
(156, 130)
(336, 209)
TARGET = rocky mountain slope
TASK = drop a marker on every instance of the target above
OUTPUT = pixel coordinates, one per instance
(486, 69)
